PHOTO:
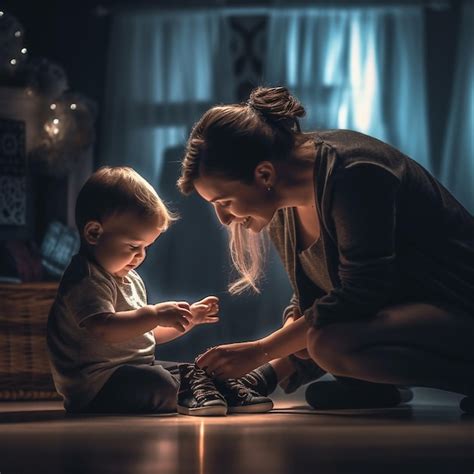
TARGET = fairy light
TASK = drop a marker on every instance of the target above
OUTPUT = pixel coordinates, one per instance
(16, 34)
(51, 128)
(53, 125)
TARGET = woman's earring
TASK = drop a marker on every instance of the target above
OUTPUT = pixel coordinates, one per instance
(269, 188)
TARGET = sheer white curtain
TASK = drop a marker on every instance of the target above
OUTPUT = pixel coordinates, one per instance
(355, 68)
(164, 69)
(161, 74)
(458, 153)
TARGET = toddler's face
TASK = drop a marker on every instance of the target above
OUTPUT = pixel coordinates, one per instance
(123, 241)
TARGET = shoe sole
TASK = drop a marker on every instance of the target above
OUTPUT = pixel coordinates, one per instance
(254, 408)
(203, 411)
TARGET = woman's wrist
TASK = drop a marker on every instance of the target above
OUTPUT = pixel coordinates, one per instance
(284, 341)
(264, 352)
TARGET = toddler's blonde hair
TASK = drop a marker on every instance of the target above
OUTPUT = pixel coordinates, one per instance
(118, 189)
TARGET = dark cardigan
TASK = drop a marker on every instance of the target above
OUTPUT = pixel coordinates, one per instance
(391, 234)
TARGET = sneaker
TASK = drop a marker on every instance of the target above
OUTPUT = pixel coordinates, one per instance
(336, 394)
(197, 395)
(242, 399)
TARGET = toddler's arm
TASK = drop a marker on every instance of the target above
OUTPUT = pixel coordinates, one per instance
(204, 311)
(124, 325)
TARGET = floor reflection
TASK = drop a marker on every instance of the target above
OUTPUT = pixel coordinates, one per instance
(291, 439)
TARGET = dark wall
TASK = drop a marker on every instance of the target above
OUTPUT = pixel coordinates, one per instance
(76, 33)
(71, 33)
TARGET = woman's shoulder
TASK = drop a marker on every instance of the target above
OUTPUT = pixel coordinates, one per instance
(339, 137)
(341, 150)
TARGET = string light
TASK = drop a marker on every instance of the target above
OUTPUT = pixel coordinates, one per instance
(56, 128)
(51, 129)
(17, 34)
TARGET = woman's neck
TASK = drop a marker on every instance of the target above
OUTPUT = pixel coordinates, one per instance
(296, 183)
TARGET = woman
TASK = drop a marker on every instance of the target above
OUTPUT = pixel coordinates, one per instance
(379, 254)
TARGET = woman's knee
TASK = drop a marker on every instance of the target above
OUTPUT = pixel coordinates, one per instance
(303, 354)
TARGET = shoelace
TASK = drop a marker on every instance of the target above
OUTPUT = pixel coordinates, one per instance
(250, 379)
(242, 390)
(201, 385)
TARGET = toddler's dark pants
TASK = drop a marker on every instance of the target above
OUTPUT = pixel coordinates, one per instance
(139, 389)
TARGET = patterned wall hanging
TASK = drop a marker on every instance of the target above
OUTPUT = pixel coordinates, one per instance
(12, 173)
(248, 52)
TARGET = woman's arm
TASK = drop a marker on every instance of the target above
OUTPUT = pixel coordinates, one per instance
(289, 339)
(363, 213)
(235, 360)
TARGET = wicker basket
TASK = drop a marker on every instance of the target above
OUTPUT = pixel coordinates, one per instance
(24, 365)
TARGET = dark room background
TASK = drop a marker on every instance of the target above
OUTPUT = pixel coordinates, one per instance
(402, 71)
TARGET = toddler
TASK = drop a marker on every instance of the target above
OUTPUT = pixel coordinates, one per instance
(101, 333)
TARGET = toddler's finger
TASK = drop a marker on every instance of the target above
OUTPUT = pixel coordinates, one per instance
(209, 300)
(209, 320)
(183, 304)
(184, 321)
(179, 327)
(186, 313)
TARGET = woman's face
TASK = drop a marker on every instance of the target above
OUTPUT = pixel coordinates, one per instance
(251, 205)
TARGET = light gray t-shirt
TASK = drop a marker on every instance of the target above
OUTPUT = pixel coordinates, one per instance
(314, 265)
(80, 363)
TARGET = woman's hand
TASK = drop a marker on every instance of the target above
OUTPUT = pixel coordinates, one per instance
(232, 360)
(205, 311)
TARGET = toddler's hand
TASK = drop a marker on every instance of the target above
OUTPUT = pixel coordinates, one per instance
(205, 311)
(174, 314)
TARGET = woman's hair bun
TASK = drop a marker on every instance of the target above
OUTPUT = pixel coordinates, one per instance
(276, 104)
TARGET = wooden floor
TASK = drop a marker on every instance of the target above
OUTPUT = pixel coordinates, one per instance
(430, 435)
